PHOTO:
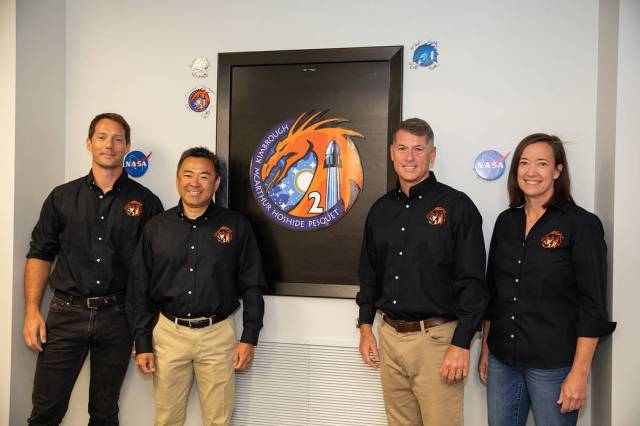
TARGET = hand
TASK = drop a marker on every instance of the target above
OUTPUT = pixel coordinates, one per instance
(483, 364)
(455, 365)
(243, 356)
(369, 346)
(34, 328)
(146, 363)
(573, 392)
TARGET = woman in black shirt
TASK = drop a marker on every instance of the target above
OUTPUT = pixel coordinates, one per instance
(547, 273)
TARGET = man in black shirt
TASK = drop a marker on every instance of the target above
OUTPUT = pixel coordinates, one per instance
(192, 264)
(422, 264)
(89, 226)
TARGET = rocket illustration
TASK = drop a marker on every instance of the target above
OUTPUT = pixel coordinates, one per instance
(332, 163)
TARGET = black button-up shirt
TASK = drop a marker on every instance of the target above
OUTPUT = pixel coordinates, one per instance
(423, 256)
(196, 268)
(92, 234)
(549, 288)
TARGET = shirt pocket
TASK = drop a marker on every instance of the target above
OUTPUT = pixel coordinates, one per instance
(435, 241)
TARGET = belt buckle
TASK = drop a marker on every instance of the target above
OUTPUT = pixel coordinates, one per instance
(191, 323)
(89, 299)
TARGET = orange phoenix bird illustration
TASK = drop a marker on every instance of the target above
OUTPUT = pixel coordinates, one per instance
(315, 134)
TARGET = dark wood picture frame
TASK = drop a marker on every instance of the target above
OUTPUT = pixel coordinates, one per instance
(390, 56)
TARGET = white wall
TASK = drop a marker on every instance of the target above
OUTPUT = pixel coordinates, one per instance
(507, 69)
(39, 159)
(626, 292)
(605, 185)
(7, 145)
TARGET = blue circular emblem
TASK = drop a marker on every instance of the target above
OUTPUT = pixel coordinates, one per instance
(490, 164)
(136, 163)
(304, 176)
(426, 55)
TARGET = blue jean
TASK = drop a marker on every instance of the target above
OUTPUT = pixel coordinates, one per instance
(512, 390)
(72, 333)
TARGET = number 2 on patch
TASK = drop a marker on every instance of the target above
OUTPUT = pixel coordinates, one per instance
(316, 202)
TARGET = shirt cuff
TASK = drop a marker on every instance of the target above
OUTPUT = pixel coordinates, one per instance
(250, 335)
(462, 337)
(367, 314)
(595, 328)
(143, 344)
(42, 256)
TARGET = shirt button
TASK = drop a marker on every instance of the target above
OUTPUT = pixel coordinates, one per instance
(189, 314)
(400, 253)
(193, 247)
(98, 260)
(396, 277)
(101, 197)
(98, 282)
(402, 229)
(515, 298)
(194, 227)
(190, 269)
(407, 206)
(99, 238)
(523, 244)
(101, 217)
(189, 292)
(420, 197)
(513, 317)
(512, 336)
(517, 280)
(519, 261)
(394, 302)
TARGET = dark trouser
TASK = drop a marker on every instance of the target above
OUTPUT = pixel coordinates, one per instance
(72, 332)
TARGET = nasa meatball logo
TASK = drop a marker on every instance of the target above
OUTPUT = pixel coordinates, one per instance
(223, 235)
(552, 240)
(306, 172)
(136, 163)
(437, 216)
(490, 164)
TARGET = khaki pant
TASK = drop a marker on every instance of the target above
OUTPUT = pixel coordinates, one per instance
(182, 352)
(413, 391)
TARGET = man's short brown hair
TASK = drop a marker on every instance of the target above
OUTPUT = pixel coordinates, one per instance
(417, 127)
(111, 116)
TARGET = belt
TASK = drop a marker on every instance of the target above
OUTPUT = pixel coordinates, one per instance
(199, 323)
(91, 302)
(412, 326)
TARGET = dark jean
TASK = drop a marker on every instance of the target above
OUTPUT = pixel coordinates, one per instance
(72, 332)
(511, 390)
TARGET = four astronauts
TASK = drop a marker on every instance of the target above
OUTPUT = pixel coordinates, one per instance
(126, 272)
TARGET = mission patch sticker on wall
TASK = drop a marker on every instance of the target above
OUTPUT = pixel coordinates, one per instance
(199, 100)
(136, 163)
(200, 67)
(306, 173)
(425, 55)
(490, 164)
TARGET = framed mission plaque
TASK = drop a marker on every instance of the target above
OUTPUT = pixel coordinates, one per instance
(303, 136)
